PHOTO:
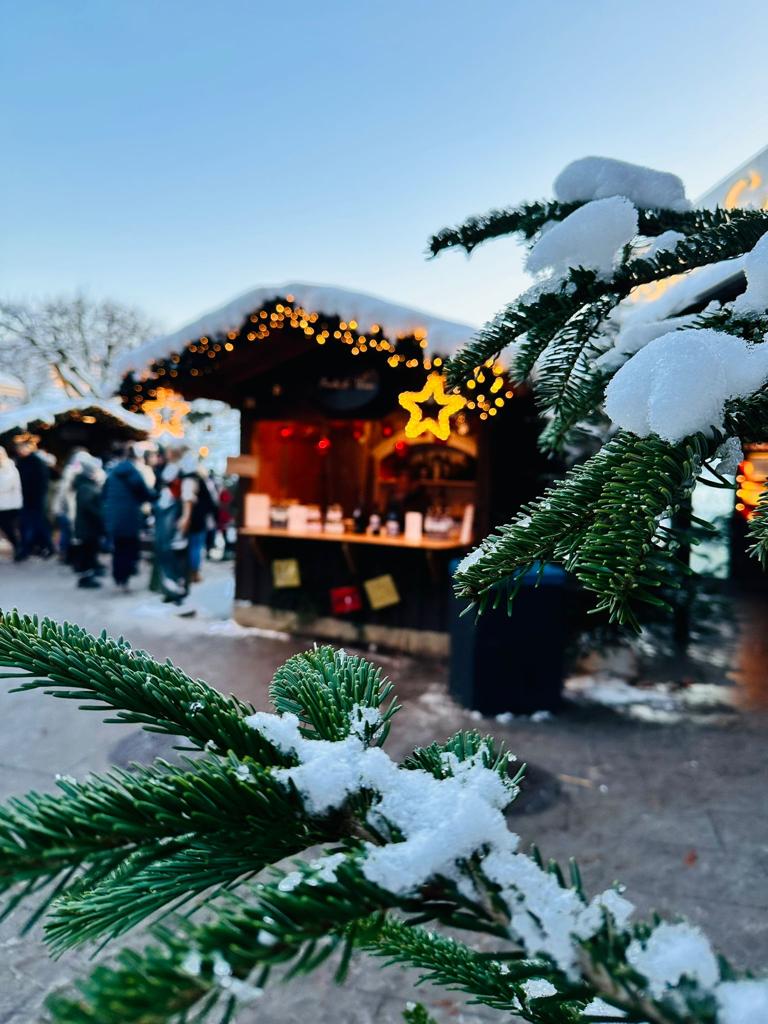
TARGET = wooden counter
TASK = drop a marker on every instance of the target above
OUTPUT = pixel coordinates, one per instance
(425, 544)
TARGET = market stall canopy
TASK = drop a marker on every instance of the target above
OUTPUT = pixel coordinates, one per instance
(49, 411)
(393, 320)
(11, 389)
(93, 422)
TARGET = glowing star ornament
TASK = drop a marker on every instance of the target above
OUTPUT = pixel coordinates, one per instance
(166, 411)
(432, 394)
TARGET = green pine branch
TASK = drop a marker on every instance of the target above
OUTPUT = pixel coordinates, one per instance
(543, 317)
(528, 219)
(569, 387)
(324, 686)
(417, 1014)
(149, 838)
(535, 320)
(758, 531)
(66, 661)
(601, 523)
(491, 979)
(127, 846)
(622, 557)
(262, 928)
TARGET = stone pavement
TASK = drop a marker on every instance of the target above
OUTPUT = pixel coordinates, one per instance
(676, 812)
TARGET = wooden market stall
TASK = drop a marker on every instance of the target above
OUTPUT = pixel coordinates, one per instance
(60, 424)
(361, 479)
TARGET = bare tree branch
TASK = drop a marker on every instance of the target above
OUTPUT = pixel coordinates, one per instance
(72, 341)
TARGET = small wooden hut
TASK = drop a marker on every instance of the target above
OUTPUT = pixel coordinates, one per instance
(362, 481)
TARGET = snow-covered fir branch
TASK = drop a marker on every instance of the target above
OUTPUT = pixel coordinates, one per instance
(403, 843)
(624, 328)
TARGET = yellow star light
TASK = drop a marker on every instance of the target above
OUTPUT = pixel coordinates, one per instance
(166, 411)
(433, 391)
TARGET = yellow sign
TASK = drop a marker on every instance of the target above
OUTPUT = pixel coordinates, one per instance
(432, 392)
(381, 592)
(285, 573)
(167, 411)
(746, 192)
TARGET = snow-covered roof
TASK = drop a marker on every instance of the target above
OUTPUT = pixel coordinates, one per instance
(10, 385)
(46, 410)
(444, 336)
(746, 187)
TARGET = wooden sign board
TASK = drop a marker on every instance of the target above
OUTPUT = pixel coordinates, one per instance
(243, 465)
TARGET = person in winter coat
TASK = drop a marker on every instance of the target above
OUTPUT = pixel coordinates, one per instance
(89, 519)
(170, 569)
(35, 476)
(199, 507)
(63, 506)
(125, 491)
(10, 501)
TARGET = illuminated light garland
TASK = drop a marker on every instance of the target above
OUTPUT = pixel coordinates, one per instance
(203, 353)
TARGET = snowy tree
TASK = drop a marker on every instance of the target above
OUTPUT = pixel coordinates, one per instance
(72, 342)
(401, 845)
(676, 387)
(424, 841)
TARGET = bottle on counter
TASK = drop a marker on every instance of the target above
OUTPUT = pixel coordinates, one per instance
(437, 522)
(392, 524)
(358, 518)
(334, 519)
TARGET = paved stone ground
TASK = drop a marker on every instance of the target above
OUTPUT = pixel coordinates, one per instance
(677, 812)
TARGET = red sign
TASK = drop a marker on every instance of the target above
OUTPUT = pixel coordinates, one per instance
(345, 600)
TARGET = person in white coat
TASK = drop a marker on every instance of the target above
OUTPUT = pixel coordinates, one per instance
(10, 500)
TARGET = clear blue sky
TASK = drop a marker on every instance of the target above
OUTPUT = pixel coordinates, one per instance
(172, 153)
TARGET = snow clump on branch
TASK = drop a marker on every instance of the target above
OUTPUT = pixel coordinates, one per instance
(597, 177)
(443, 822)
(672, 952)
(755, 299)
(679, 383)
(592, 237)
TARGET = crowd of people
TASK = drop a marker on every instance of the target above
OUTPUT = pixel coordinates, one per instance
(164, 502)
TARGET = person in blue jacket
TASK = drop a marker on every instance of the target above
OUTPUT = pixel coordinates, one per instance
(125, 492)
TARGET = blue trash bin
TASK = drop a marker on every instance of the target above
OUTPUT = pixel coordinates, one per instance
(512, 662)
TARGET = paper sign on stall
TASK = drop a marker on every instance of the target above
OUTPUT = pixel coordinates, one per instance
(242, 465)
(285, 573)
(381, 591)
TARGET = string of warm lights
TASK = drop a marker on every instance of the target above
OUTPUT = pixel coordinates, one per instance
(485, 393)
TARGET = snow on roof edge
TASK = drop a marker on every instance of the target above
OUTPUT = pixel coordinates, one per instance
(394, 319)
(46, 411)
